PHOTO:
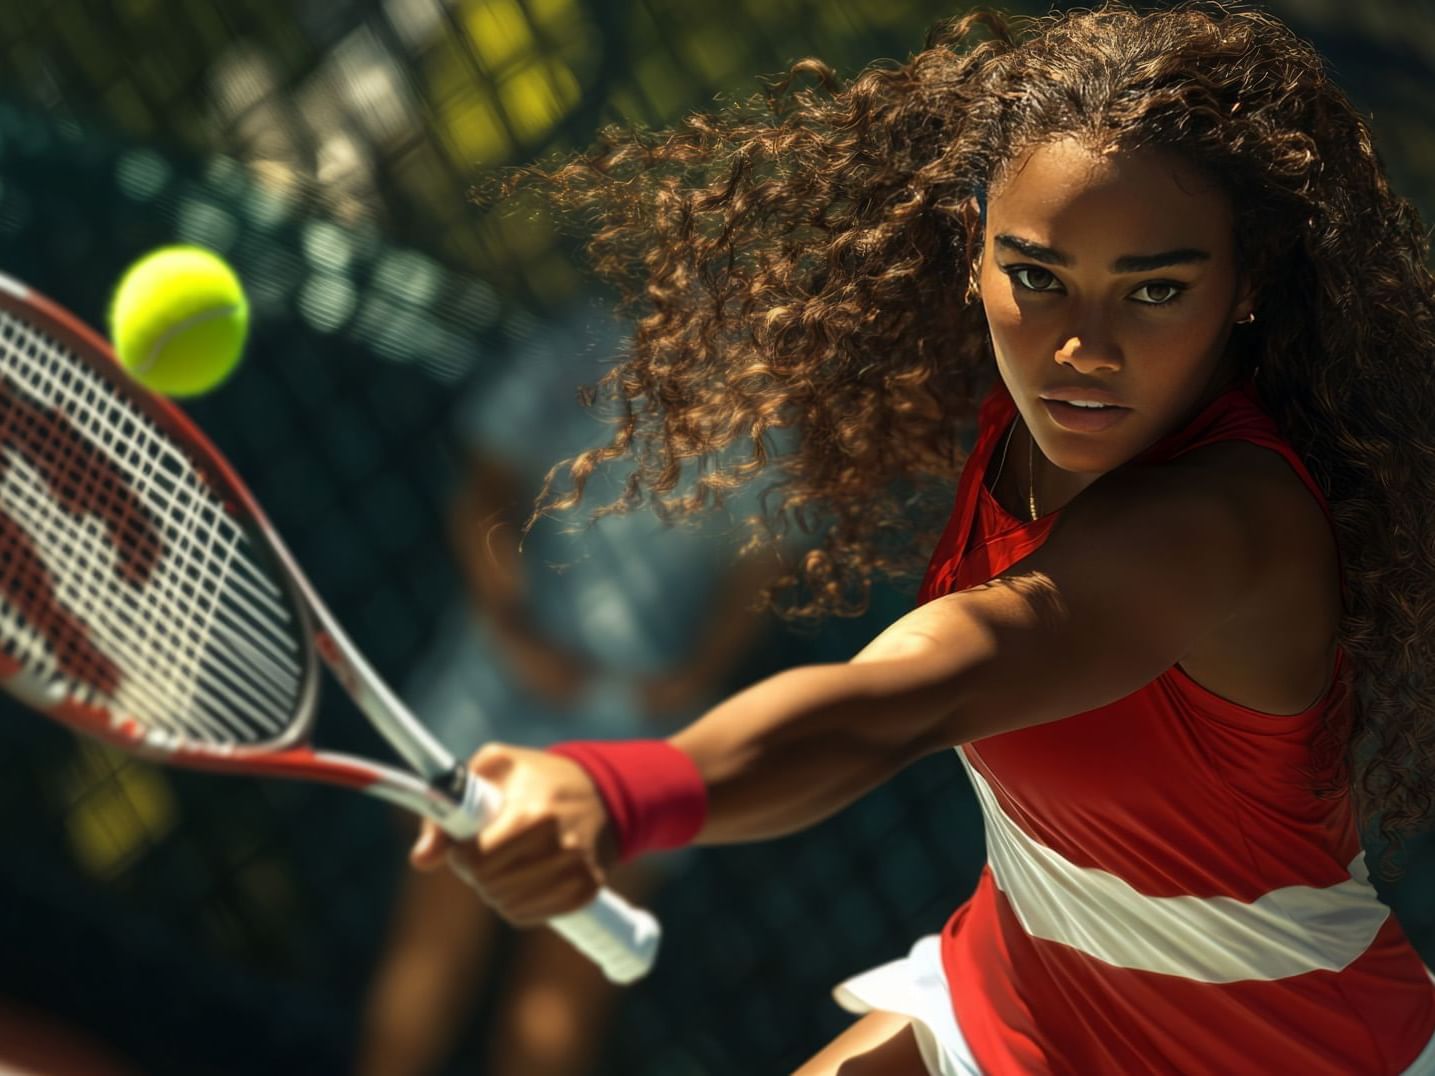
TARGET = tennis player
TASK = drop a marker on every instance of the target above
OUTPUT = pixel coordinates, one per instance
(1177, 625)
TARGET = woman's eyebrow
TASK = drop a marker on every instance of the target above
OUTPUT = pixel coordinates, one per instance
(1127, 263)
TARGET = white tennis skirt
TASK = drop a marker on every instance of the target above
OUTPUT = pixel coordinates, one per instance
(916, 987)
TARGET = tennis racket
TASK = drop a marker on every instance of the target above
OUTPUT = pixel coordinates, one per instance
(147, 601)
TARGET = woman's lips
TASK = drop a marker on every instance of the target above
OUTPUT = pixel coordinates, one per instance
(1084, 419)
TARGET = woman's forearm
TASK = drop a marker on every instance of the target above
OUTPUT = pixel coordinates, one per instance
(797, 747)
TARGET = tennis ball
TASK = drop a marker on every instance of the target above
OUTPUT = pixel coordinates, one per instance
(178, 320)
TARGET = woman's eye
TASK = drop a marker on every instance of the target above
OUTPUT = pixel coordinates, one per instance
(1158, 292)
(1033, 278)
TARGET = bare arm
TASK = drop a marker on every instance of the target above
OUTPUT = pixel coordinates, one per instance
(1140, 569)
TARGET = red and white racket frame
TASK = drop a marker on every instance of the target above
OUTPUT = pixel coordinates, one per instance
(621, 939)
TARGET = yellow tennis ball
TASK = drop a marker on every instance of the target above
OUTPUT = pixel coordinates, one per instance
(178, 320)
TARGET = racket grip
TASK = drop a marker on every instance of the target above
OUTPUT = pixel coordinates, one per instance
(620, 939)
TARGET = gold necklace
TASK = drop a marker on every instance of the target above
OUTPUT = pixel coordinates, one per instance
(1030, 475)
(1001, 464)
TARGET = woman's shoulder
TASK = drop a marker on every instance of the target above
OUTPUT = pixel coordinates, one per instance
(1281, 508)
(1268, 485)
(1274, 656)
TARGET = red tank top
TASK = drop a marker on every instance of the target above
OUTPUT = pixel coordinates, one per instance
(1162, 893)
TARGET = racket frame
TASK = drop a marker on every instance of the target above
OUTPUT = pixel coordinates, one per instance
(438, 787)
(621, 939)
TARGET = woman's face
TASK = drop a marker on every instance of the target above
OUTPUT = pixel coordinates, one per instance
(1113, 272)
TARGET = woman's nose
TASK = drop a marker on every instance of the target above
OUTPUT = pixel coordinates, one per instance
(1090, 346)
(1088, 357)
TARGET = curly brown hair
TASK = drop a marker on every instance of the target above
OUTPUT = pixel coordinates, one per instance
(802, 260)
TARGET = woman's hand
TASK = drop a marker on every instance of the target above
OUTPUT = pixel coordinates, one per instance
(548, 850)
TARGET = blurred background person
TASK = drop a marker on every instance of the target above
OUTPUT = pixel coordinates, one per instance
(625, 629)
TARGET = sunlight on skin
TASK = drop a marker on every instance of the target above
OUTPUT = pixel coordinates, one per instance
(1063, 310)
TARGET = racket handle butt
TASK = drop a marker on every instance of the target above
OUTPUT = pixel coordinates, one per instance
(620, 939)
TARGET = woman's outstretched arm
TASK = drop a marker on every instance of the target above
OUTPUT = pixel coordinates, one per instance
(1140, 568)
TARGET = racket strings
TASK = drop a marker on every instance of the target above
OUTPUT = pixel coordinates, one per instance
(123, 578)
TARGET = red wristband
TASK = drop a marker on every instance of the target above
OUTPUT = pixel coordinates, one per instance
(654, 794)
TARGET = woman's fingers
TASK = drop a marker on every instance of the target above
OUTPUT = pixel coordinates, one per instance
(428, 851)
(517, 863)
(540, 856)
(530, 892)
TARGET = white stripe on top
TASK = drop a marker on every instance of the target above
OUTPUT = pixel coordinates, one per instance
(1288, 931)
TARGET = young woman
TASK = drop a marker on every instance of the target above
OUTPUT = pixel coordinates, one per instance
(1177, 613)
